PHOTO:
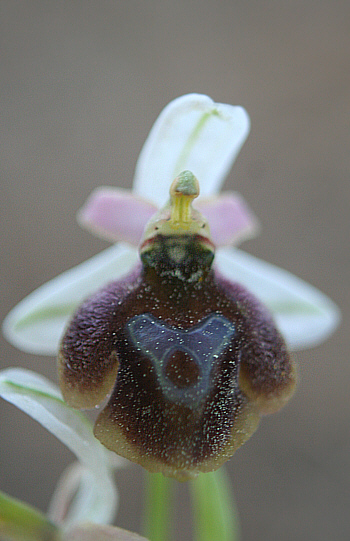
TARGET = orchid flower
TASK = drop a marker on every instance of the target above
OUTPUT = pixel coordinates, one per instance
(192, 138)
(86, 492)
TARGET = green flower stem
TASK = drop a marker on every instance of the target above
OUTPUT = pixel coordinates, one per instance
(20, 522)
(159, 499)
(215, 514)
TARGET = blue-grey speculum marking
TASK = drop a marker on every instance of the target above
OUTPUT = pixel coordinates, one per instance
(203, 343)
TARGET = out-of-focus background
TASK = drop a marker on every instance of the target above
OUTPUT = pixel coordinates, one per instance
(81, 85)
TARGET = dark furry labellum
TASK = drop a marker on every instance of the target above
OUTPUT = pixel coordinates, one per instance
(188, 359)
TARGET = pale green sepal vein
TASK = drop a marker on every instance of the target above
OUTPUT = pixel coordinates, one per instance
(45, 313)
(191, 141)
(215, 514)
(22, 390)
(21, 522)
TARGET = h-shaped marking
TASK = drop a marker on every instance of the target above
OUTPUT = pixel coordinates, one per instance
(204, 343)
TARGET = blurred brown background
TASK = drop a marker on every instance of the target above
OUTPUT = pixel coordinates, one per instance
(81, 85)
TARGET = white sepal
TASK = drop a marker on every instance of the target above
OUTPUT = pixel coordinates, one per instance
(36, 324)
(305, 316)
(194, 133)
(42, 400)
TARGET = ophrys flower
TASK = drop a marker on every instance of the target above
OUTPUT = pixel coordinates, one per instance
(192, 134)
(189, 359)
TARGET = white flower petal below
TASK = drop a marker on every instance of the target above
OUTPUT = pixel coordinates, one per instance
(192, 133)
(37, 323)
(40, 399)
(305, 316)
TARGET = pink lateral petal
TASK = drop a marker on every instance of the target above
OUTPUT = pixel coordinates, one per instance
(230, 219)
(116, 215)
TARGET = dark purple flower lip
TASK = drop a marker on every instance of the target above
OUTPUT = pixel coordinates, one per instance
(188, 366)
